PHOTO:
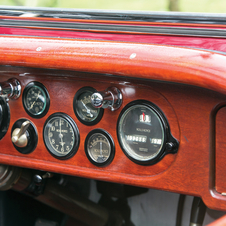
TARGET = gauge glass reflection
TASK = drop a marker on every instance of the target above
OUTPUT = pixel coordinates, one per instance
(61, 136)
(141, 132)
(99, 147)
(83, 108)
(35, 100)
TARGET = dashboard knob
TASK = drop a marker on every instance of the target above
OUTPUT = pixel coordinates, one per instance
(24, 136)
(110, 98)
(10, 89)
(19, 136)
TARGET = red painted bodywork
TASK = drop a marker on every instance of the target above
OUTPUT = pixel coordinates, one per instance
(216, 44)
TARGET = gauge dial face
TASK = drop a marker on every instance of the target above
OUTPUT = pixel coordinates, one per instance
(84, 110)
(61, 136)
(36, 100)
(141, 132)
(99, 147)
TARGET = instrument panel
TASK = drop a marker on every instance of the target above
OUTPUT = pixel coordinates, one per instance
(147, 141)
(70, 130)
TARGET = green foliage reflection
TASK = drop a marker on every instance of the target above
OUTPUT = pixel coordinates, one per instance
(216, 6)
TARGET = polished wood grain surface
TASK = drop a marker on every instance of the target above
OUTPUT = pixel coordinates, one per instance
(220, 151)
(189, 110)
(145, 61)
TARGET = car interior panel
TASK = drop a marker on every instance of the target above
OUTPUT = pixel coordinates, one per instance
(101, 111)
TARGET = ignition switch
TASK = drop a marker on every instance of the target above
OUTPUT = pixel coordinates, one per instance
(110, 98)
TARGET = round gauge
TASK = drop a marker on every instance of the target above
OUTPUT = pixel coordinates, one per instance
(36, 100)
(84, 110)
(143, 132)
(99, 147)
(61, 136)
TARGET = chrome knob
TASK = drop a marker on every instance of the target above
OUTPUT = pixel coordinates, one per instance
(110, 98)
(19, 136)
(10, 89)
(97, 99)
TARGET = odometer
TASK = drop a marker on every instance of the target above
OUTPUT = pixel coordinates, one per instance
(143, 133)
(61, 136)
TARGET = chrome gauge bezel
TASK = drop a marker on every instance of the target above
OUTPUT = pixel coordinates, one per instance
(166, 135)
(105, 134)
(45, 93)
(77, 96)
(75, 131)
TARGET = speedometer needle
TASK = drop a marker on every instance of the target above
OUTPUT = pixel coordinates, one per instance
(101, 153)
(32, 105)
(87, 109)
(35, 101)
(61, 137)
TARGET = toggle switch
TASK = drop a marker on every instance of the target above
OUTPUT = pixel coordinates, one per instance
(24, 136)
(110, 98)
(20, 135)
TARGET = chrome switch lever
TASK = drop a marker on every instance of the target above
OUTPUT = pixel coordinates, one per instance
(110, 98)
(19, 137)
(10, 89)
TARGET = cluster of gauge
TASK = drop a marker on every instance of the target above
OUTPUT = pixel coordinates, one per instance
(61, 138)
(36, 103)
(143, 131)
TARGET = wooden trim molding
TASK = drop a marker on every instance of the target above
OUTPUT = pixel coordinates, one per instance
(145, 61)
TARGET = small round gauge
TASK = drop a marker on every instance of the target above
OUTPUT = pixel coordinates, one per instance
(99, 147)
(84, 110)
(36, 100)
(61, 135)
(143, 133)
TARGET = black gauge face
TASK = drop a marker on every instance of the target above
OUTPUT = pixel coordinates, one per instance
(85, 112)
(141, 132)
(36, 99)
(61, 136)
(99, 147)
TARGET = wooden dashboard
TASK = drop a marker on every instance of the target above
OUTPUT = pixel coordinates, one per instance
(188, 85)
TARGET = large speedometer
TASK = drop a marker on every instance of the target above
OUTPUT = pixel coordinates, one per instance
(143, 133)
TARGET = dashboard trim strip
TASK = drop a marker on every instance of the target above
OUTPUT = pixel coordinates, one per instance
(186, 66)
(164, 30)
